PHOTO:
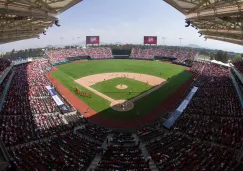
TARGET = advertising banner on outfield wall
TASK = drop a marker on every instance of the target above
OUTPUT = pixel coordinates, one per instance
(152, 40)
(63, 108)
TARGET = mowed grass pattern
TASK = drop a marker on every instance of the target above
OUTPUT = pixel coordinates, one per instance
(66, 74)
(78, 70)
(108, 88)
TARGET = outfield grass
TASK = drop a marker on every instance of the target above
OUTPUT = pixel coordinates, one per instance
(81, 69)
(108, 88)
(66, 74)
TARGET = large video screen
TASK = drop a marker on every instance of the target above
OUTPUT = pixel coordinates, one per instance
(150, 40)
(92, 40)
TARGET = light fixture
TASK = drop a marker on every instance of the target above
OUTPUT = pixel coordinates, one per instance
(188, 23)
(200, 33)
(57, 23)
(44, 32)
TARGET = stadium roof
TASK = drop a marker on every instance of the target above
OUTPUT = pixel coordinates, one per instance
(24, 19)
(215, 19)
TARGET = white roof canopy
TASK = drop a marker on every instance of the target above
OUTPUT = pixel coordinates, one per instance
(24, 19)
(215, 19)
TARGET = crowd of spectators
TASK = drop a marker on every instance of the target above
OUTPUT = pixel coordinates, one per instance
(99, 53)
(142, 53)
(123, 153)
(93, 131)
(175, 151)
(180, 56)
(239, 83)
(4, 83)
(208, 135)
(62, 55)
(58, 56)
(197, 66)
(3, 65)
(66, 151)
(214, 113)
(28, 111)
(26, 88)
(239, 66)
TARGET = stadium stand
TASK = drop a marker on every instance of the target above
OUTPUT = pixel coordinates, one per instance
(62, 55)
(28, 109)
(209, 132)
(97, 133)
(123, 153)
(239, 66)
(3, 65)
(57, 56)
(197, 67)
(214, 112)
(180, 56)
(207, 136)
(172, 151)
(239, 83)
(142, 53)
(99, 53)
(67, 151)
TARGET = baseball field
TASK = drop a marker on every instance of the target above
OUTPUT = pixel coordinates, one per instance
(122, 90)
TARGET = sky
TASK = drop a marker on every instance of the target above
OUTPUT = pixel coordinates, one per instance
(125, 21)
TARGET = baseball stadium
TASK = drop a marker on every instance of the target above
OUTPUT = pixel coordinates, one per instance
(120, 107)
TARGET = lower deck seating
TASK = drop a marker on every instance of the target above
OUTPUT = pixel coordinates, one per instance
(63, 152)
(176, 151)
(93, 131)
(239, 66)
(123, 154)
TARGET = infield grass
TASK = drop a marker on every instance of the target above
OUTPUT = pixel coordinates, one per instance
(108, 88)
(66, 74)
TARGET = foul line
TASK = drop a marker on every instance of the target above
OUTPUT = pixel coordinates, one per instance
(91, 89)
(146, 93)
(128, 101)
(98, 93)
(66, 74)
(115, 101)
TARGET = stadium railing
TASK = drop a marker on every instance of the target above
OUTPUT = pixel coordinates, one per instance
(60, 63)
(5, 73)
(237, 89)
(240, 76)
(5, 91)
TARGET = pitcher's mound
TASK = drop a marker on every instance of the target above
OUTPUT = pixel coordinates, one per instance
(122, 86)
(122, 105)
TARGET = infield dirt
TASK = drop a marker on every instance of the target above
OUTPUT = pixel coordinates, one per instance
(90, 80)
(93, 79)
